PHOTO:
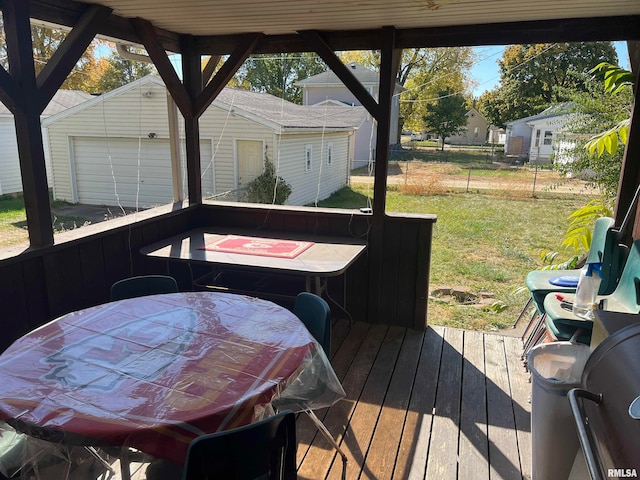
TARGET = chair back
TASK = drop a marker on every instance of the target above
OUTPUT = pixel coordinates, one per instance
(315, 313)
(606, 248)
(626, 296)
(143, 285)
(264, 450)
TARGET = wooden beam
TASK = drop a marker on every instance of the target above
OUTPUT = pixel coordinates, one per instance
(630, 171)
(67, 12)
(192, 75)
(389, 65)
(69, 52)
(619, 28)
(315, 41)
(35, 190)
(10, 94)
(226, 72)
(156, 51)
(209, 68)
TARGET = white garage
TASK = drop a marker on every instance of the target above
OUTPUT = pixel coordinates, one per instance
(114, 149)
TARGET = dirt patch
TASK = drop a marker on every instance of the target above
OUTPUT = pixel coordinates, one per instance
(524, 180)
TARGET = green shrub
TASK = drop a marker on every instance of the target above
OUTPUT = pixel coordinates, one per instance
(268, 188)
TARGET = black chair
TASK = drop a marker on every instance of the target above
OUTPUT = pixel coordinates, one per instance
(314, 312)
(264, 450)
(143, 285)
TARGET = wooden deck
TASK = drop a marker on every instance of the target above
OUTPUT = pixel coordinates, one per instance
(445, 403)
(440, 404)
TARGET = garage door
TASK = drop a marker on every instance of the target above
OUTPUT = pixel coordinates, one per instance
(125, 171)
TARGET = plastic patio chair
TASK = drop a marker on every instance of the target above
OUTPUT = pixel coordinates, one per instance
(143, 285)
(605, 248)
(265, 450)
(625, 298)
(315, 313)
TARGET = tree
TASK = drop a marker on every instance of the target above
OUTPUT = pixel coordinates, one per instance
(600, 125)
(276, 75)
(119, 71)
(423, 73)
(534, 76)
(446, 116)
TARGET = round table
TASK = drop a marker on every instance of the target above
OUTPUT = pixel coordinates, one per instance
(155, 372)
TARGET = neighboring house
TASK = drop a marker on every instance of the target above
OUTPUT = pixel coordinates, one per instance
(10, 178)
(115, 149)
(546, 136)
(326, 89)
(475, 131)
(520, 132)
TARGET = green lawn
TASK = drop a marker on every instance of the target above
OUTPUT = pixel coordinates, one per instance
(13, 221)
(482, 242)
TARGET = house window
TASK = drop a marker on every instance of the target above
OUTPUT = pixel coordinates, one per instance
(475, 132)
(537, 144)
(308, 155)
(548, 136)
(329, 153)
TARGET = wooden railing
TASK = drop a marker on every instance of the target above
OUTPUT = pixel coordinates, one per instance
(38, 285)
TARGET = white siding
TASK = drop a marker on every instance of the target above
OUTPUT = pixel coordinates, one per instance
(323, 179)
(143, 110)
(10, 178)
(226, 128)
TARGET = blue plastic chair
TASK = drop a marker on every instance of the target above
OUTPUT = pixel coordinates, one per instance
(143, 285)
(605, 248)
(315, 313)
(625, 298)
(264, 450)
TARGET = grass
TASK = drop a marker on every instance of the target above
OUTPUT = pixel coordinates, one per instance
(483, 242)
(13, 221)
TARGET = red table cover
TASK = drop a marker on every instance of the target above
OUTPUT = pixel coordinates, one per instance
(155, 372)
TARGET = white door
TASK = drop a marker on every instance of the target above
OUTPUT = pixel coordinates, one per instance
(250, 160)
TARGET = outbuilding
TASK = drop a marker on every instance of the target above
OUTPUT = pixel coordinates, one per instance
(116, 149)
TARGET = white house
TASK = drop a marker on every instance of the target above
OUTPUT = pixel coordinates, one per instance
(326, 89)
(546, 136)
(115, 149)
(520, 141)
(10, 178)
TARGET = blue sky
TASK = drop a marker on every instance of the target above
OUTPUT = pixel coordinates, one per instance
(486, 74)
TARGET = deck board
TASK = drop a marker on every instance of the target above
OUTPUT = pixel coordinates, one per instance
(474, 445)
(444, 403)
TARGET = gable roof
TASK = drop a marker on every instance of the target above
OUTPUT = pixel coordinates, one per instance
(364, 75)
(61, 101)
(267, 109)
(368, 78)
(552, 111)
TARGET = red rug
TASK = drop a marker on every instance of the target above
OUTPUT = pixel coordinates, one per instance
(264, 247)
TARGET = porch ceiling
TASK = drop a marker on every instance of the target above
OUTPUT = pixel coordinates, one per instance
(273, 17)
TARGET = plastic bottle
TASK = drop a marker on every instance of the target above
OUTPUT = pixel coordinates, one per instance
(587, 290)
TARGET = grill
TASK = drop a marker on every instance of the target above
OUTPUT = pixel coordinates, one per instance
(607, 407)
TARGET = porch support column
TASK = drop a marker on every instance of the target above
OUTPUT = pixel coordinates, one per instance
(630, 171)
(192, 78)
(389, 65)
(27, 97)
(195, 92)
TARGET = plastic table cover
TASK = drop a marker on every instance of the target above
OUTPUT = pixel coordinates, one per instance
(155, 372)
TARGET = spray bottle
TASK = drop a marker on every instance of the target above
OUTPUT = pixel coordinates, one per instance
(587, 290)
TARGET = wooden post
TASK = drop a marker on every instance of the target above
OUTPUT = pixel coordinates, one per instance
(192, 79)
(389, 65)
